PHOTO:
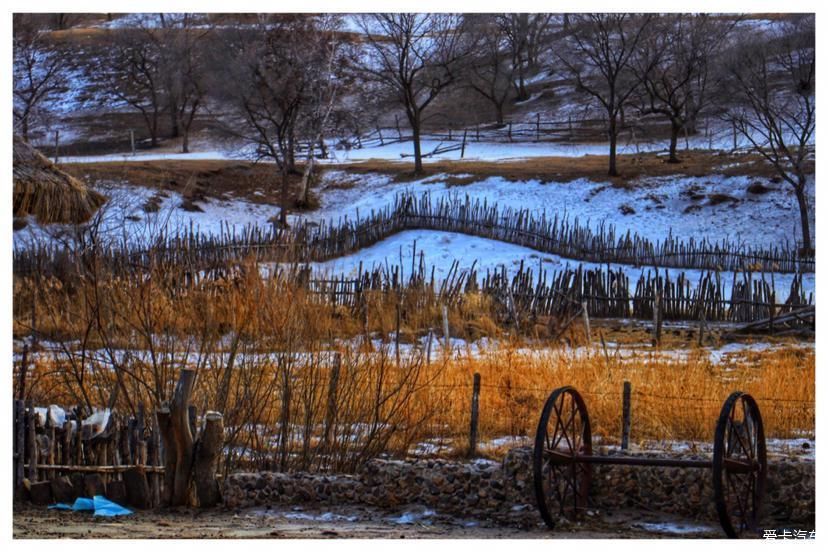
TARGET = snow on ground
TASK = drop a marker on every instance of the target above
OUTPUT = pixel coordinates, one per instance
(123, 217)
(661, 205)
(442, 248)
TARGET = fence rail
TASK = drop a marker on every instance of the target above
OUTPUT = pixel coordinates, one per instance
(307, 242)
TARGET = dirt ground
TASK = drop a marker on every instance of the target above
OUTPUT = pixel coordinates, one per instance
(293, 522)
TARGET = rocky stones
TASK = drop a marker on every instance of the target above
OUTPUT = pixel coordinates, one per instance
(504, 492)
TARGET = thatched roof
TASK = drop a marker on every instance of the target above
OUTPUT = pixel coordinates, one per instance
(51, 195)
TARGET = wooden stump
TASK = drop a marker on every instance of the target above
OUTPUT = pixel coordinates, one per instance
(206, 461)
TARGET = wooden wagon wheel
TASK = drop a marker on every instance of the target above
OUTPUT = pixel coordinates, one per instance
(561, 482)
(740, 465)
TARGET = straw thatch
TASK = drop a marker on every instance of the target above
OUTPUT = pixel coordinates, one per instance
(51, 195)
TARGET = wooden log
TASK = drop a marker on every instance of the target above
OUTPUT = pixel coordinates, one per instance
(181, 443)
(170, 458)
(206, 460)
(137, 488)
(475, 413)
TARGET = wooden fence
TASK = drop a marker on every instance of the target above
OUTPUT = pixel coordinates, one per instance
(122, 457)
(309, 242)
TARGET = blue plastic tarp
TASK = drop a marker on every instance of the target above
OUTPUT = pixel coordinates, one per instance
(100, 506)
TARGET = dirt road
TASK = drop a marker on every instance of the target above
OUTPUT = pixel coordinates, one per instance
(342, 522)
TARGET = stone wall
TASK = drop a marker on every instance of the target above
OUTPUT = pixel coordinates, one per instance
(503, 491)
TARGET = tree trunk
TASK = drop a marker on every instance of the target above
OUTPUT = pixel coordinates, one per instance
(185, 143)
(206, 461)
(802, 200)
(499, 113)
(613, 138)
(284, 195)
(674, 132)
(418, 155)
(174, 423)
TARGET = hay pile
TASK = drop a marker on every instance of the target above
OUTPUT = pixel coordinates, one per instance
(51, 195)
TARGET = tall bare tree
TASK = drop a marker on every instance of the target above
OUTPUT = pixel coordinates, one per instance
(490, 70)
(267, 78)
(773, 104)
(180, 41)
(134, 77)
(599, 55)
(525, 34)
(38, 74)
(674, 68)
(416, 56)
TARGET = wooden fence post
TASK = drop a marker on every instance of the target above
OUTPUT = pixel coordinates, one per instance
(625, 416)
(475, 413)
(19, 442)
(132, 141)
(656, 317)
(463, 147)
(57, 143)
(32, 441)
(510, 131)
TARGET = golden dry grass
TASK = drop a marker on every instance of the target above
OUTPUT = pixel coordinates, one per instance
(676, 395)
(43, 190)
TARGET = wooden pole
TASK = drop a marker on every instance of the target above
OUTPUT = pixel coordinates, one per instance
(57, 142)
(625, 416)
(132, 141)
(19, 441)
(32, 441)
(463, 146)
(206, 459)
(475, 412)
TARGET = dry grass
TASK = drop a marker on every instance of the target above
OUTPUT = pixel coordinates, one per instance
(51, 195)
(262, 350)
(594, 167)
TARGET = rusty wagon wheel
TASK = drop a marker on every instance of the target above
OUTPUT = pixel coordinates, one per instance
(740, 465)
(561, 482)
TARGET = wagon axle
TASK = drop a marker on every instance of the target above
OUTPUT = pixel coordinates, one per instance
(563, 460)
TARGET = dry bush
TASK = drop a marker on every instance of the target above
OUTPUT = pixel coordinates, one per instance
(266, 353)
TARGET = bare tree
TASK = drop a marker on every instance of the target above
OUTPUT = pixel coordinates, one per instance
(134, 77)
(773, 105)
(491, 71)
(180, 43)
(267, 77)
(599, 57)
(415, 56)
(38, 74)
(674, 68)
(525, 36)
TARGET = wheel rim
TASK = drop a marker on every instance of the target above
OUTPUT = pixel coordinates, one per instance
(561, 483)
(739, 465)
